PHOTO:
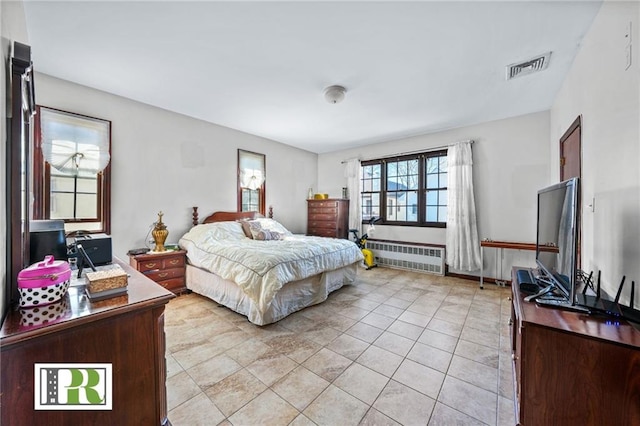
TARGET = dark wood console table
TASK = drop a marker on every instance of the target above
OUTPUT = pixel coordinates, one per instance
(126, 331)
(571, 368)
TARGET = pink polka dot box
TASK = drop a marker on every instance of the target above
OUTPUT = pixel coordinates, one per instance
(43, 282)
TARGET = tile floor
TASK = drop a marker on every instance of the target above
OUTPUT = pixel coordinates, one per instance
(394, 348)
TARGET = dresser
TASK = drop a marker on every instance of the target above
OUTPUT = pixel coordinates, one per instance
(166, 268)
(328, 218)
(125, 331)
(571, 368)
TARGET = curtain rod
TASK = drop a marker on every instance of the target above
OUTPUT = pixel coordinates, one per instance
(435, 148)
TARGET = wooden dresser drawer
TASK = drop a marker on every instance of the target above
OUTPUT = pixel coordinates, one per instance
(165, 274)
(323, 232)
(318, 224)
(323, 217)
(175, 285)
(150, 265)
(173, 262)
(323, 204)
(314, 210)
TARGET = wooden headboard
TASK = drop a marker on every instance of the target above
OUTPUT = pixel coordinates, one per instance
(230, 216)
(224, 216)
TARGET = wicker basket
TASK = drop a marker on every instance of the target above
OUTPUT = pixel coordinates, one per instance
(106, 280)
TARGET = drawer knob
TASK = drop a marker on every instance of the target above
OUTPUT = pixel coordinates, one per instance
(150, 265)
(174, 261)
(163, 274)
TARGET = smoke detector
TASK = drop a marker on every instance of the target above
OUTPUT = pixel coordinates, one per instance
(334, 94)
(529, 66)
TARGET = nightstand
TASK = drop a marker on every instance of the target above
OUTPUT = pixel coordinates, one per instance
(166, 268)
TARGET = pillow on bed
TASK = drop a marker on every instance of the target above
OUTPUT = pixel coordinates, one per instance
(246, 228)
(216, 231)
(266, 229)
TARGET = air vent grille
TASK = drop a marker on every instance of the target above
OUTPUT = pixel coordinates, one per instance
(529, 66)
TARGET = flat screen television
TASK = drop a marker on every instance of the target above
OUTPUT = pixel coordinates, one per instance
(557, 236)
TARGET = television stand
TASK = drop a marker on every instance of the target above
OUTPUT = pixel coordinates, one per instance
(571, 368)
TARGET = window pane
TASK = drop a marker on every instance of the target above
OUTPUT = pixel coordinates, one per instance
(442, 198)
(432, 198)
(432, 214)
(432, 181)
(442, 214)
(443, 163)
(444, 180)
(61, 183)
(392, 170)
(401, 213)
(87, 206)
(370, 206)
(61, 206)
(250, 200)
(89, 185)
(432, 165)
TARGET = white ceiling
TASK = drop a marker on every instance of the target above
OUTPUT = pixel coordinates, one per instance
(261, 67)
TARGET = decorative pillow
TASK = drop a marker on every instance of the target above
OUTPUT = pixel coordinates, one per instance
(246, 228)
(266, 229)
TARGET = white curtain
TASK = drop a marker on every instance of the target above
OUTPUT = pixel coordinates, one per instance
(352, 173)
(463, 246)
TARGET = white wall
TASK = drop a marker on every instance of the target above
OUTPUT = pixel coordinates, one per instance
(510, 164)
(170, 162)
(607, 96)
(13, 27)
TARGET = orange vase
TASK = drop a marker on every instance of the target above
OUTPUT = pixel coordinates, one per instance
(160, 233)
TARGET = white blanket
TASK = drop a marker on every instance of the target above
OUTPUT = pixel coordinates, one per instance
(261, 268)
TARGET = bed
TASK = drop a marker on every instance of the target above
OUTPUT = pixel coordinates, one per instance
(256, 267)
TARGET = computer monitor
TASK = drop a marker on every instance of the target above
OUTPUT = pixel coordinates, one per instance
(46, 237)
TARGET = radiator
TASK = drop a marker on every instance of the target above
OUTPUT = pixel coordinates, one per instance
(419, 258)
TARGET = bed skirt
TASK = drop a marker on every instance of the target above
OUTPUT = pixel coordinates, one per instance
(291, 298)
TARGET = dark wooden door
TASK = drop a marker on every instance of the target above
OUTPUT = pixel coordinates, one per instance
(570, 152)
(571, 166)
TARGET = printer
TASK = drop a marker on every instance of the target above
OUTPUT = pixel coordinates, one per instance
(97, 247)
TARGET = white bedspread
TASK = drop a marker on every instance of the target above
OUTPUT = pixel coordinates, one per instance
(261, 268)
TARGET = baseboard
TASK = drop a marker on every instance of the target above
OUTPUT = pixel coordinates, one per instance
(475, 278)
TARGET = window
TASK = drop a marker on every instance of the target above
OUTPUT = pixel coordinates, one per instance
(251, 182)
(72, 173)
(407, 190)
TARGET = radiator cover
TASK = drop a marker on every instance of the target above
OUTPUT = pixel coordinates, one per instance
(409, 256)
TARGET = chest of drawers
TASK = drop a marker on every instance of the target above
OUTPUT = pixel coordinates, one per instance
(167, 268)
(328, 218)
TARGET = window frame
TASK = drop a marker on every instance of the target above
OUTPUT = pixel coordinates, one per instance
(262, 190)
(421, 190)
(42, 181)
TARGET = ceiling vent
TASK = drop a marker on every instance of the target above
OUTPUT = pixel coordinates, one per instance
(529, 66)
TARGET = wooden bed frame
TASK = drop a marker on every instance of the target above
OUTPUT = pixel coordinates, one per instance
(293, 296)
(222, 216)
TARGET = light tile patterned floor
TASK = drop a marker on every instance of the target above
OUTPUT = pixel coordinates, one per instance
(394, 348)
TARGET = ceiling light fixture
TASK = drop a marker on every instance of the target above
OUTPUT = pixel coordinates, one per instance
(334, 94)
